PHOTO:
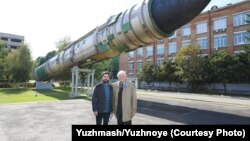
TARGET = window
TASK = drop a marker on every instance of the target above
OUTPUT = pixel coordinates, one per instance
(186, 30)
(77, 45)
(220, 23)
(159, 62)
(131, 54)
(149, 51)
(131, 66)
(140, 52)
(13, 47)
(4, 38)
(201, 27)
(83, 42)
(239, 52)
(16, 40)
(240, 38)
(172, 59)
(160, 49)
(185, 43)
(203, 43)
(203, 55)
(172, 48)
(173, 36)
(220, 41)
(139, 66)
(240, 19)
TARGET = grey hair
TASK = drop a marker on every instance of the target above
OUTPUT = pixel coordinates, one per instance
(120, 73)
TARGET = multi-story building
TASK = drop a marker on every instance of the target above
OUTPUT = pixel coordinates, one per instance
(222, 28)
(12, 41)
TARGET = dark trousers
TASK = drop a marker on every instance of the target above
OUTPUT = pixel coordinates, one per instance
(102, 118)
(119, 122)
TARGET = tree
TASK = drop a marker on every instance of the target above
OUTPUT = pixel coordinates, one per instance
(3, 54)
(188, 59)
(224, 68)
(62, 44)
(20, 63)
(101, 67)
(207, 71)
(50, 55)
(147, 73)
(169, 72)
(42, 59)
(114, 67)
(39, 61)
(244, 64)
(156, 73)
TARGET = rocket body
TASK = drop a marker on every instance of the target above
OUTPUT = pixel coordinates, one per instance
(136, 27)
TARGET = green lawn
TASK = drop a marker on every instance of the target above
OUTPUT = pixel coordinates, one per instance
(32, 95)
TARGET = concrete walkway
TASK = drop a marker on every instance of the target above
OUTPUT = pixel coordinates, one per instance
(43, 121)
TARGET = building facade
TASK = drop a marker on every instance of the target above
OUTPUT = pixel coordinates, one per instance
(222, 28)
(12, 41)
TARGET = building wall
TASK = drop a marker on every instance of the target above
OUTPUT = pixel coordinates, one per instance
(13, 41)
(228, 12)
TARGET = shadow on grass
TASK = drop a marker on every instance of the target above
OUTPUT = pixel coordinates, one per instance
(11, 91)
(57, 93)
(61, 94)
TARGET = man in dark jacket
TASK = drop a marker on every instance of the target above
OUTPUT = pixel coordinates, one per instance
(102, 100)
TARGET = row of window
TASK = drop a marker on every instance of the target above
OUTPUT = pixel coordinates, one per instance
(218, 24)
(240, 38)
(131, 65)
(11, 39)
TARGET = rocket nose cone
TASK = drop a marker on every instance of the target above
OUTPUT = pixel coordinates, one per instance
(169, 15)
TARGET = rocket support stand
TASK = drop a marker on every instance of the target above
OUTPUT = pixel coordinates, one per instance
(75, 80)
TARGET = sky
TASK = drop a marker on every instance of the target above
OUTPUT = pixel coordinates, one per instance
(45, 22)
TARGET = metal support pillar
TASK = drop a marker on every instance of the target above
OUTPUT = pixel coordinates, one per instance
(75, 80)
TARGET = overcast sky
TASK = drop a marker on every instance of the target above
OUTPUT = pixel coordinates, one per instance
(44, 22)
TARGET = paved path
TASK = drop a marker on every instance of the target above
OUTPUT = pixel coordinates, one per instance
(42, 121)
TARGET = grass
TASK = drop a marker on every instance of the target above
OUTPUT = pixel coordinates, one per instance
(32, 95)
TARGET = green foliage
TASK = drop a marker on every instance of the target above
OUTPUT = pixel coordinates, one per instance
(19, 63)
(169, 72)
(62, 44)
(148, 72)
(3, 50)
(3, 54)
(29, 95)
(156, 72)
(111, 65)
(189, 60)
(40, 60)
(50, 55)
(224, 67)
(114, 67)
(101, 67)
(206, 71)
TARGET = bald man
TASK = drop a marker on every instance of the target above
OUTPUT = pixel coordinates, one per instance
(124, 99)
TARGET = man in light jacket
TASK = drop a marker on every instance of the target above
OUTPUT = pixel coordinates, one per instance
(124, 99)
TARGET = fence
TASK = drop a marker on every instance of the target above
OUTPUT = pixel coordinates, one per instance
(214, 88)
(17, 85)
